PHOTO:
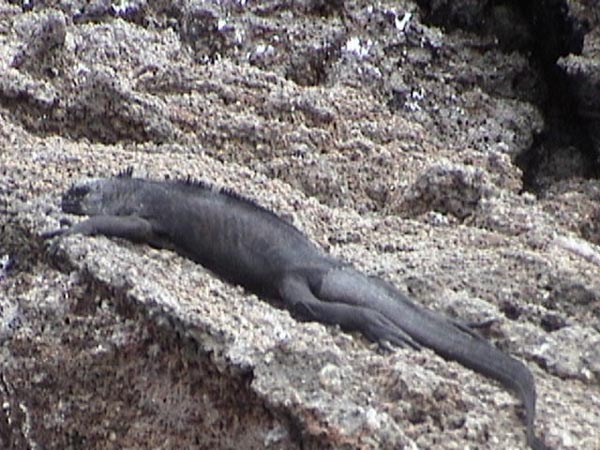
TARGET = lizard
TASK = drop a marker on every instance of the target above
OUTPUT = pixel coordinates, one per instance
(249, 245)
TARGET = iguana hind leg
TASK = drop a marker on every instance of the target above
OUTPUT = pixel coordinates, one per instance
(298, 297)
(352, 287)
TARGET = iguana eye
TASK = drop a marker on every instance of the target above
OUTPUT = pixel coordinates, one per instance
(79, 191)
(76, 192)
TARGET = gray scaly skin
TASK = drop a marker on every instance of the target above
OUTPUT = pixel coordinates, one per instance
(250, 246)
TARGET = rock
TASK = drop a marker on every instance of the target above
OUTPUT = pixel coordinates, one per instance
(418, 152)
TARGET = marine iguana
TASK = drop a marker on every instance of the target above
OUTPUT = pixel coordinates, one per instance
(249, 245)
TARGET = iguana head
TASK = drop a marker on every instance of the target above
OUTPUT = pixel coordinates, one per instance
(95, 196)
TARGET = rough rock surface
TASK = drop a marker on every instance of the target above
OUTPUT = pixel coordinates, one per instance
(450, 147)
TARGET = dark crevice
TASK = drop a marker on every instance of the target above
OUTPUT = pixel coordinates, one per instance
(544, 30)
(565, 147)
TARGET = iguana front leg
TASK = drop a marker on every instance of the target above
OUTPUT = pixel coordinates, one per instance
(132, 228)
(299, 298)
